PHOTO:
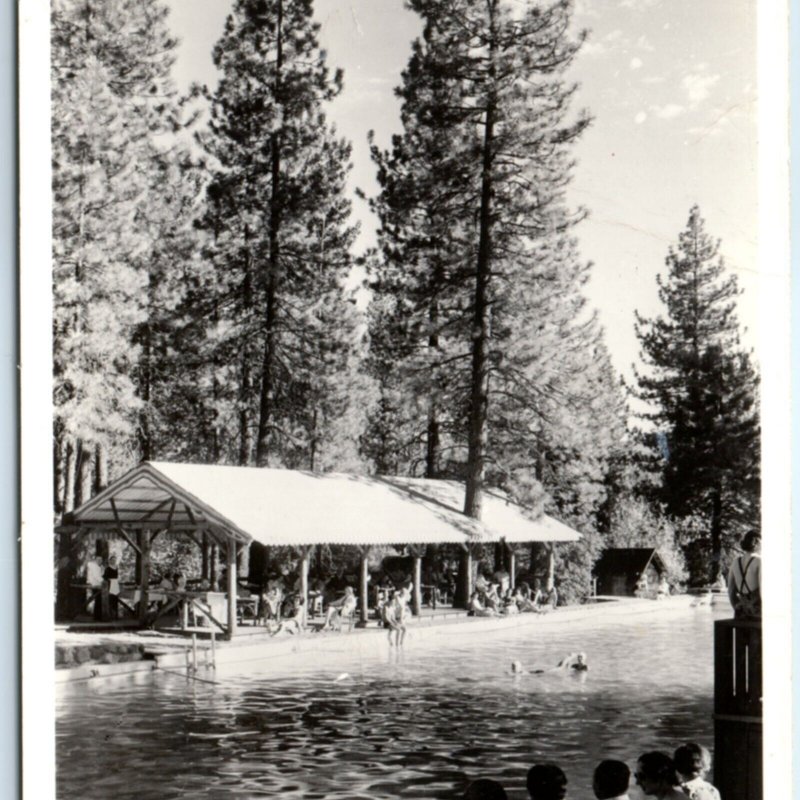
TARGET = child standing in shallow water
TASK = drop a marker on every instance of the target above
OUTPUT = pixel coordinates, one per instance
(692, 763)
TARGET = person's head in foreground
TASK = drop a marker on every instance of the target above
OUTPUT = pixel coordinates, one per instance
(517, 668)
(751, 543)
(546, 782)
(485, 789)
(611, 779)
(655, 774)
(692, 760)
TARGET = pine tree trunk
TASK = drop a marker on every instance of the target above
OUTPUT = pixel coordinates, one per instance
(479, 390)
(100, 468)
(244, 416)
(433, 439)
(145, 367)
(70, 458)
(266, 406)
(59, 466)
(85, 472)
(716, 535)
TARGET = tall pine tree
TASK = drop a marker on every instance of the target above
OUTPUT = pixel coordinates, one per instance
(116, 175)
(480, 278)
(702, 390)
(279, 236)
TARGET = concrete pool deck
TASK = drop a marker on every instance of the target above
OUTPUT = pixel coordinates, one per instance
(147, 651)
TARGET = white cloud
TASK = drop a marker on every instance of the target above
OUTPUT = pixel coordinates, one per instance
(593, 49)
(636, 63)
(698, 86)
(640, 117)
(585, 8)
(638, 4)
(669, 111)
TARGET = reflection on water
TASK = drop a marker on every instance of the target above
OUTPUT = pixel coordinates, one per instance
(418, 723)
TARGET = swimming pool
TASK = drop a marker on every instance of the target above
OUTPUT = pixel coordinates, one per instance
(420, 722)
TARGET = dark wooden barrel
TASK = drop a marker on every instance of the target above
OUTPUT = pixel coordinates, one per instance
(738, 761)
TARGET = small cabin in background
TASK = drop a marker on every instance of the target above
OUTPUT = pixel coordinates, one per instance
(629, 572)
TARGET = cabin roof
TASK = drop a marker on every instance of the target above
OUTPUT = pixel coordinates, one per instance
(627, 560)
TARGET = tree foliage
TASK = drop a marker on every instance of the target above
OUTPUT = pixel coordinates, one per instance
(121, 196)
(702, 391)
(280, 324)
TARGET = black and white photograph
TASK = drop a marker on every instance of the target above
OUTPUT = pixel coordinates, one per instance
(404, 399)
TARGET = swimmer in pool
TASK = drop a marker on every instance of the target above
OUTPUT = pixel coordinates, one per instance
(573, 663)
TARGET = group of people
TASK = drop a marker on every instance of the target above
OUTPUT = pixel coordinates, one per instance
(394, 614)
(495, 599)
(676, 777)
(102, 582)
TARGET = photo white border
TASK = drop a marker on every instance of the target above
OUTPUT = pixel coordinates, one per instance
(38, 679)
(36, 437)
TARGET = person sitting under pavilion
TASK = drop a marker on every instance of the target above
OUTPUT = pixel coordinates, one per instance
(343, 608)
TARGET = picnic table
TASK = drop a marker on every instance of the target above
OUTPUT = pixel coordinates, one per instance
(201, 606)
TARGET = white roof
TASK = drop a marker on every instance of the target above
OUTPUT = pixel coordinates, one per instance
(290, 507)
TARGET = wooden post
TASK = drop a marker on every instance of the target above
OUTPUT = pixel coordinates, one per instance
(465, 589)
(143, 540)
(231, 572)
(416, 597)
(304, 559)
(204, 568)
(212, 565)
(512, 566)
(551, 566)
(363, 589)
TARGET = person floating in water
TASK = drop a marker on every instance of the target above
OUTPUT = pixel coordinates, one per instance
(573, 663)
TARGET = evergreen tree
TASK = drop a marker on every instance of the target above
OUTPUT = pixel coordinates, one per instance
(480, 279)
(488, 83)
(279, 238)
(114, 108)
(702, 389)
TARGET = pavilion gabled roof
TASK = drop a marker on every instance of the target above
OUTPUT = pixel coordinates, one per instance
(292, 507)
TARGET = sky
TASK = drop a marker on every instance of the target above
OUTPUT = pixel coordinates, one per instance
(671, 85)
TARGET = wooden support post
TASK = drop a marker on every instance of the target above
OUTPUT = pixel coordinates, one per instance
(212, 565)
(416, 597)
(551, 566)
(204, 571)
(231, 572)
(143, 540)
(304, 559)
(465, 576)
(512, 566)
(363, 589)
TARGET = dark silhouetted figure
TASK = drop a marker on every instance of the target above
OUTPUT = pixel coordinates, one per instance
(547, 782)
(611, 779)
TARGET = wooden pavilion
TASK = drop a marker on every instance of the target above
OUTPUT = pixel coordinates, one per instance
(227, 508)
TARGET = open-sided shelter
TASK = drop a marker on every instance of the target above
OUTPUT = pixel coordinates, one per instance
(230, 507)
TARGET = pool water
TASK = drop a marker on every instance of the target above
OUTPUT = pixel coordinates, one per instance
(417, 722)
